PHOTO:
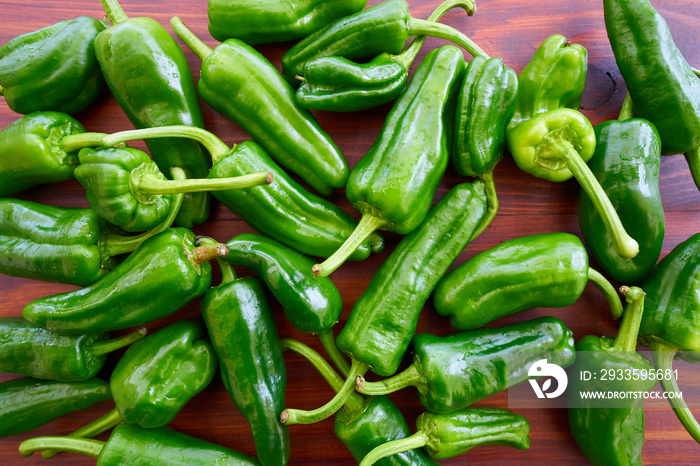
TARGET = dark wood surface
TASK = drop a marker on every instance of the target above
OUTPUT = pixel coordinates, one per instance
(512, 30)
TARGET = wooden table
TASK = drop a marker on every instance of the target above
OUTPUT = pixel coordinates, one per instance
(512, 30)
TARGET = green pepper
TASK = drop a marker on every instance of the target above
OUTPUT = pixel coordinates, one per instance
(244, 336)
(393, 185)
(454, 371)
(27, 403)
(338, 84)
(549, 138)
(148, 75)
(64, 244)
(376, 336)
(36, 352)
(670, 322)
(166, 272)
(382, 28)
(238, 82)
(30, 151)
(607, 434)
(364, 423)
(131, 444)
(662, 84)
(626, 163)
(313, 305)
(544, 270)
(257, 22)
(126, 188)
(53, 68)
(449, 435)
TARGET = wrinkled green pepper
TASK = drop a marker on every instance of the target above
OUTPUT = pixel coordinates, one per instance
(129, 444)
(549, 138)
(126, 188)
(244, 336)
(626, 164)
(148, 75)
(338, 84)
(393, 185)
(239, 82)
(54, 68)
(607, 432)
(544, 270)
(455, 371)
(166, 272)
(28, 403)
(36, 352)
(382, 28)
(448, 435)
(256, 22)
(376, 336)
(31, 154)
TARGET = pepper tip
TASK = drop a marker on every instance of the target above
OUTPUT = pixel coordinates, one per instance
(316, 270)
(359, 382)
(284, 417)
(269, 178)
(222, 250)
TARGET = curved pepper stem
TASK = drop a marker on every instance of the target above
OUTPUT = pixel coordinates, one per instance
(298, 416)
(417, 440)
(103, 347)
(421, 27)
(492, 202)
(627, 109)
(608, 291)
(663, 354)
(76, 445)
(328, 342)
(148, 184)
(114, 11)
(96, 427)
(626, 339)
(411, 377)
(201, 49)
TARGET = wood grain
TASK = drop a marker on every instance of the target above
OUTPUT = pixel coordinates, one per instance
(512, 30)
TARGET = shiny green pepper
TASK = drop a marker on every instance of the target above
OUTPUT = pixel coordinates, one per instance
(53, 68)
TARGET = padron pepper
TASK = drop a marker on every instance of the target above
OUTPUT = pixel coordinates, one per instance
(54, 68)
(65, 244)
(549, 138)
(626, 164)
(448, 435)
(166, 272)
(27, 403)
(36, 352)
(338, 84)
(376, 336)
(455, 371)
(31, 154)
(244, 337)
(393, 185)
(382, 28)
(129, 444)
(257, 22)
(611, 432)
(240, 83)
(149, 76)
(543, 270)
(670, 323)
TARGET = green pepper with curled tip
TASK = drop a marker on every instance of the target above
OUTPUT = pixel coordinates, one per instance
(544, 270)
(549, 138)
(54, 68)
(339, 84)
(256, 22)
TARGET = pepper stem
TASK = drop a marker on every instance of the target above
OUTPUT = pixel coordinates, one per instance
(623, 243)
(693, 159)
(75, 142)
(77, 445)
(114, 244)
(422, 27)
(663, 354)
(195, 43)
(627, 109)
(369, 223)
(626, 339)
(298, 416)
(96, 427)
(608, 291)
(492, 202)
(411, 377)
(355, 403)
(114, 11)
(228, 273)
(206, 252)
(417, 440)
(103, 347)
(150, 184)
(328, 342)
